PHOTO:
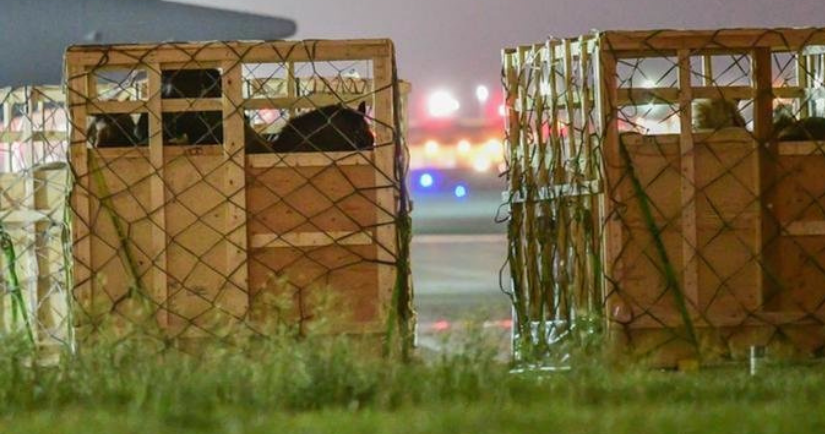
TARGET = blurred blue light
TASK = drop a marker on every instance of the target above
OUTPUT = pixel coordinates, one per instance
(460, 191)
(426, 180)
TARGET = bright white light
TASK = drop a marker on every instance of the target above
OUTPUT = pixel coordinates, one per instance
(442, 104)
(502, 111)
(482, 93)
(494, 146)
(464, 146)
(460, 191)
(431, 148)
(647, 84)
(482, 164)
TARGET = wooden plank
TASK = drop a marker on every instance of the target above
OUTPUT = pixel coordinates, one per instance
(83, 268)
(22, 217)
(775, 318)
(690, 244)
(612, 235)
(235, 300)
(159, 290)
(802, 81)
(306, 102)
(168, 105)
(310, 159)
(728, 39)
(192, 105)
(812, 50)
(569, 91)
(142, 152)
(584, 278)
(645, 95)
(36, 136)
(707, 70)
(544, 91)
(110, 107)
(253, 52)
(723, 135)
(387, 195)
(766, 163)
(47, 93)
(591, 172)
(291, 86)
(808, 148)
(663, 95)
(805, 228)
(347, 88)
(311, 239)
(528, 59)
(559, 191)
(7, 119)
(255, 161)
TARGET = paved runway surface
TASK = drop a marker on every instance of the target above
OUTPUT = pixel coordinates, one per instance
(457, 253)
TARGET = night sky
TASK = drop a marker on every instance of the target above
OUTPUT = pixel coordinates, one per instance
(456, 44)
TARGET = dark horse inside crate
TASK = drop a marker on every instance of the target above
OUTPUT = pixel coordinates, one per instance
(326, 129)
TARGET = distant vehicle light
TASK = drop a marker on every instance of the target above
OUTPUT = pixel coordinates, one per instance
(426, 180)
(482, 164)
(431, 148)
(482, 93)
(442, 104)
(494, 146)
(441, 325)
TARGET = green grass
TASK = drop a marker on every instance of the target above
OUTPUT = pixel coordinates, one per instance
(329, 386)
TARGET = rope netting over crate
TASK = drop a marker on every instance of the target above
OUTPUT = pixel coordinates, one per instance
(236, 189)
(666, 184)
(34, 184)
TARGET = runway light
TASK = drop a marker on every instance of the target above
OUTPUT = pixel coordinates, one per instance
(482, 164)
(431, 148)
(482, 93)
(441, 325)
(426, 180)
(442, 104)
(460, 191)
(464, 146)
(494, 146)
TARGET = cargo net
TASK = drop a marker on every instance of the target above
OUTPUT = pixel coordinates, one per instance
(667, 199)
(236, 191)
(34, 184)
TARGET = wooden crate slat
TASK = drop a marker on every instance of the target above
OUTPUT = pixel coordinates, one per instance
(310, 239)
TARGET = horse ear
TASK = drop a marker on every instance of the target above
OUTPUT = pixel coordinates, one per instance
(362, 107)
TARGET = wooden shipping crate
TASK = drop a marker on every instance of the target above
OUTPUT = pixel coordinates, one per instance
(34, 185)
(692, 239)
(190, 240)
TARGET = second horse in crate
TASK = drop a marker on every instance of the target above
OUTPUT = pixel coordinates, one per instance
(787, 127)
(333, 128)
